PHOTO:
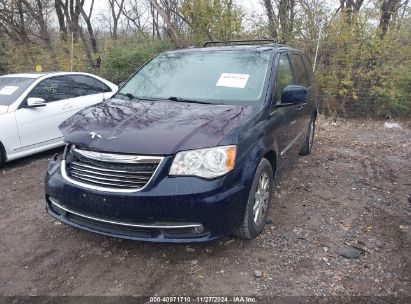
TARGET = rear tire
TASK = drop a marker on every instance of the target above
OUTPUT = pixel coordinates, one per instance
(309, 140)
(258, 204)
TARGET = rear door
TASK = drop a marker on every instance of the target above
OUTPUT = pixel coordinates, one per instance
(88, 91)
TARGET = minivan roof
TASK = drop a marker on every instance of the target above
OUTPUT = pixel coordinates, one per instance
(256, 47)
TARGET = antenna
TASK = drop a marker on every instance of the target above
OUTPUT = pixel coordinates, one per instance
(72, 52)
(318, 44)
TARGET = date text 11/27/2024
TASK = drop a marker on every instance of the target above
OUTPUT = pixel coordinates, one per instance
(205, 299)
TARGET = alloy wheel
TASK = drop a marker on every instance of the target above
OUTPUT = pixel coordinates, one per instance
(311, 137)
(262, 196)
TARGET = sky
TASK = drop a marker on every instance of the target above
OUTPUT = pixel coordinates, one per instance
(250, 6)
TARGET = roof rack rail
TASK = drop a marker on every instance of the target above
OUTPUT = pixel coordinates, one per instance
(239, 42)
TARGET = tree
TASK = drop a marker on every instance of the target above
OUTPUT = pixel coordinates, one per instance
(171, 27)
(351, 5)
(36, 11)
(58, 6)
(211, 20)
(3, 57)
(136, 14)
(87, 20)
(68, 12)
(272, 19)
(21, 19)
(280, 14)
(119, 5)
(13, 21)
(388, 8)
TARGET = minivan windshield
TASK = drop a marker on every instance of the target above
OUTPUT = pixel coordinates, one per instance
(12, 87)
(218, 77)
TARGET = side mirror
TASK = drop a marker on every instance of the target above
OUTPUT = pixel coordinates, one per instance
(35, 102)
(121, 84)
(294, 94)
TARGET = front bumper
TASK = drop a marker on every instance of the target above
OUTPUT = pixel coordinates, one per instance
(169, 209)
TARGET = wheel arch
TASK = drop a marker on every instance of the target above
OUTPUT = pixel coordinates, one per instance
(271, 156)
(3, 155)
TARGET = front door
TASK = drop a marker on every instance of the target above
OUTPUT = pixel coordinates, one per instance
(302, 78)
(286, 117)
(64, 96)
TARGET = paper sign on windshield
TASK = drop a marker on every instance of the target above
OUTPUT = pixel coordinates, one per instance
(8, 90)
(233, 80)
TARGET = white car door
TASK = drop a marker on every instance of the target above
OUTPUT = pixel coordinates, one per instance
(64, 96)
(38, 126)
(92, 91)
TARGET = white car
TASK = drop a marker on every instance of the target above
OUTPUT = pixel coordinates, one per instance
(32, 106)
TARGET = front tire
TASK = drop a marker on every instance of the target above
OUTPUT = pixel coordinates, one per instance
(258, 204)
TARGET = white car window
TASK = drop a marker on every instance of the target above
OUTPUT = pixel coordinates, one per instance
(68, 86)
(12, 87)
(85, 85)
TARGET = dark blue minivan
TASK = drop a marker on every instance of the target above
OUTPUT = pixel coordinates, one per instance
(189, 147)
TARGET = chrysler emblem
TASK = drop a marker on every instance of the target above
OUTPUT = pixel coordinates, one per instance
(94, 135)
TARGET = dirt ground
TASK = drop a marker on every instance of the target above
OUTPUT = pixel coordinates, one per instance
(340, 225)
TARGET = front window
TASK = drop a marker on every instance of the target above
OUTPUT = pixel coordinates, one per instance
(227, 77)
(12, 87)
(284, 77)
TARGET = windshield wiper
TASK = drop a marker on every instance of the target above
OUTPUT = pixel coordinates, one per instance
(172, 98)
(128, 95)
(180, 99)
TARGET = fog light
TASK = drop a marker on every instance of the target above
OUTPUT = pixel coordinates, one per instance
(199, 229)
(53, 165)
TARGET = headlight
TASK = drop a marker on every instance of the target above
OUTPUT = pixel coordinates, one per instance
(206, 163)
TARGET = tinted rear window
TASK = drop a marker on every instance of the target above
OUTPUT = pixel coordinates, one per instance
(309, 68)
(85, 85)
(12, 87)
(299, 70)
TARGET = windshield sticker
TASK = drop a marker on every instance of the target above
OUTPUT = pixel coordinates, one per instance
(233, 80)
(8, 90)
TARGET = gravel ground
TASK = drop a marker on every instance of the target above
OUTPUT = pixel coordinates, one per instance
(340, 225)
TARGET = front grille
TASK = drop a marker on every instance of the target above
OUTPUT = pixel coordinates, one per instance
(110, 171)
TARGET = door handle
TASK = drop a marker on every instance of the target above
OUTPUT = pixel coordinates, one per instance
(300, 107)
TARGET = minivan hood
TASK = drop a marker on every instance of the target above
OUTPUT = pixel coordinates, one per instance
(151, 127)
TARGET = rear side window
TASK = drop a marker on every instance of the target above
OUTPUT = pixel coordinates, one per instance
(85, 85)
(299, 70)
(309, 69)
(53, 89)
